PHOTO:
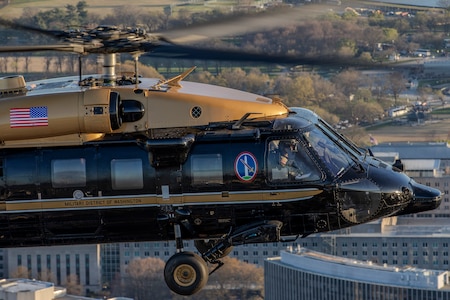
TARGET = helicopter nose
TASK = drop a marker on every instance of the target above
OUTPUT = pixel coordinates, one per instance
(424, 198)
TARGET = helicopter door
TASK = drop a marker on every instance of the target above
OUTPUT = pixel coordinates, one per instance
(288, 162)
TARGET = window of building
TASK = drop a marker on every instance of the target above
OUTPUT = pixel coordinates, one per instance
(39, 263)
(86, 269)
(49, 262)
(127, 174)
(68, 265)
(206, 169)
(68, 173)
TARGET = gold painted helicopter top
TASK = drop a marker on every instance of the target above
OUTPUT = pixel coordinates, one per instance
(70, 111)
(60, 111)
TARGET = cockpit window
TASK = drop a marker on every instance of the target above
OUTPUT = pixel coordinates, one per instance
(333, 156)
(287, 162)
(341, 140)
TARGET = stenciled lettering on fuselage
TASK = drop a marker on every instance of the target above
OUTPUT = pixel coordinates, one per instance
(246, 166)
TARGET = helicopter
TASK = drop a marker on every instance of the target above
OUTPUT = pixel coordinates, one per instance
(107, 158)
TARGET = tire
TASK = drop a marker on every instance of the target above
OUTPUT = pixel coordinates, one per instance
(186, 273)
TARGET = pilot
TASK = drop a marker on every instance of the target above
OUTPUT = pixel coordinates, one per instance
(288, 161)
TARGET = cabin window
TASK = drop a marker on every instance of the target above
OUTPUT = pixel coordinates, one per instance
(287, 161)
(127, 174)
(207, 169)
(68, 173)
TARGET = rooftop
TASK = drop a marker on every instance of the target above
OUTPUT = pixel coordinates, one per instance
(362, 271)
(413, 150)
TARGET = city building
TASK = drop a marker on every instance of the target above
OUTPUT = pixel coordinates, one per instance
(57, 264)
(25, 289)
(310, 275)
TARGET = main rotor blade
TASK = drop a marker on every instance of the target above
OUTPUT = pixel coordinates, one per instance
(51, 33)
(241, 24)
(60, 47)
(175, 51)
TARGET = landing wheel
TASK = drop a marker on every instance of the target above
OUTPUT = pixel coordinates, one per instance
(204, 245)
(186, 273)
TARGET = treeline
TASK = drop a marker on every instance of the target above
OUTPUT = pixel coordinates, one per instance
(144, 280)
(345, 94)
(348, 34)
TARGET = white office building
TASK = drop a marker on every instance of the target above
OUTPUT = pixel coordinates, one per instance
(304, 274)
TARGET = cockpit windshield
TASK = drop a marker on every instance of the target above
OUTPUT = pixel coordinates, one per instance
(335, 152)
(328, 149)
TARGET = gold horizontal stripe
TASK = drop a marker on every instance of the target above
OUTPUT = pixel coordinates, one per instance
(86, 203)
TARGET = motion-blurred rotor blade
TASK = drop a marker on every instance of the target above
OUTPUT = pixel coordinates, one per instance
(66, 48)
(51, 33)
(237, 25)
(175, 51)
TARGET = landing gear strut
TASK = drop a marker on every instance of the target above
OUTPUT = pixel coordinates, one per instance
(186, 273)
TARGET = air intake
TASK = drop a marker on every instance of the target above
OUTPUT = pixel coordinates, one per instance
(12, 86)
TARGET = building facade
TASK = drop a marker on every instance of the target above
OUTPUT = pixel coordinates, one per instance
(308, 275)
(57, 264)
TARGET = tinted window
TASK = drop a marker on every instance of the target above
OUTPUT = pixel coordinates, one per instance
(127, 174)
(207, 169)
(68, 173)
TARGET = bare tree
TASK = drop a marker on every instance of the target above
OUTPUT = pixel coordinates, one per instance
(73, 285)
(21, 272)
(236, 279)
(397, 84)
(144, 279)
(46, 275)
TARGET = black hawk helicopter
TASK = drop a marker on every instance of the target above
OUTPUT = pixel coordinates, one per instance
(100, 160)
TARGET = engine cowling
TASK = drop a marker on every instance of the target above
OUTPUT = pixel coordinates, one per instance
(50, 115)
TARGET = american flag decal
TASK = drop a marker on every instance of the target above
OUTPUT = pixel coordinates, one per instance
(28, 117)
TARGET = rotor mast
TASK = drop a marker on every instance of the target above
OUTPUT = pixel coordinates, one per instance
(109, 69)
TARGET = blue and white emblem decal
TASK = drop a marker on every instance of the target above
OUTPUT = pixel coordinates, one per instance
(246, 166)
